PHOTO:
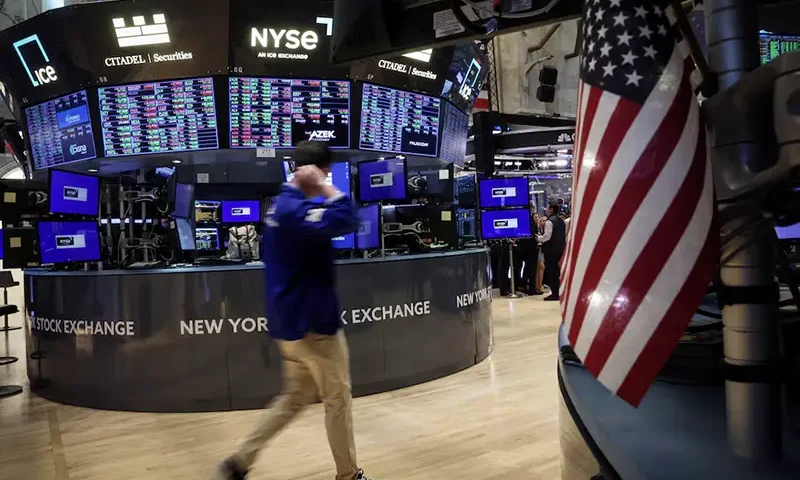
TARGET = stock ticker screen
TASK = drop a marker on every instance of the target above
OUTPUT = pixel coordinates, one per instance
(455, 126)
(771, 46)
(280, 113)
(60, 131)
(398, 121)
(158, 117)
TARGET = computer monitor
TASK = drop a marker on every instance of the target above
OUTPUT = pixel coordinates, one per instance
(207, 211)
(183, 200)
(345, 242)
(241, 211)
(65, 242)
(380, 180)
(207, 239)
(22, 197)
(503, 192)
(433, 183)
(74, 193)
(502, 224)
(790, 232)
(288, 170)
(368, 235)
(186, 234)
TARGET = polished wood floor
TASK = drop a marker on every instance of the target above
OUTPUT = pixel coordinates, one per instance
(497, 420)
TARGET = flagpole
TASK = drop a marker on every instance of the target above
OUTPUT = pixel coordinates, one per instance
(751, 334)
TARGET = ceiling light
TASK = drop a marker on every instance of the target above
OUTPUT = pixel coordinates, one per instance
(177, 161)
(92, 170)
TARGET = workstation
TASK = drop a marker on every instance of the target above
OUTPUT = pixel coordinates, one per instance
(158, 134)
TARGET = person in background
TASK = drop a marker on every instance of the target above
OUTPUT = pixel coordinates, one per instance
(553, 242)
(530, 251)
(540, 258)
(303, 312)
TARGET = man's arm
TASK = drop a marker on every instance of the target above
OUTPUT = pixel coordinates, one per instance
(335, 217)
(548, 232)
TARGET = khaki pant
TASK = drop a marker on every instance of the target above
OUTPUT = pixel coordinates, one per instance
(316, 364)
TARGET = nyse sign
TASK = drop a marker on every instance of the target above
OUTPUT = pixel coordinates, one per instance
(288, 43)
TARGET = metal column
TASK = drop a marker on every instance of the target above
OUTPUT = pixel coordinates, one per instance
(751, 330)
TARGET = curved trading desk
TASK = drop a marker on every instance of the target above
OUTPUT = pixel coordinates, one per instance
(195, 339)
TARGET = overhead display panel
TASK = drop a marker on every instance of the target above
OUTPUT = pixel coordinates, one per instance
(154, 39)
(60, 131)
(455, 125)
(466, 76)
(399, 121)
(280, 113)
(39, 59)
(158, 117)
(291, 38)
(423, 71)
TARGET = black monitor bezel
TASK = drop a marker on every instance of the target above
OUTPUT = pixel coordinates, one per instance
(99, 241)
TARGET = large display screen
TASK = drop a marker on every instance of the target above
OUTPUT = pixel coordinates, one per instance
(74, 194)
(241, 211)
(791, 232)
(369, 234)
(60, 131)
(504, 192)
(158, 117)
(455, 125)
(63, 242)
(207, 211)
(280, 113)
(398, 121)
(512, 223)
(382, 180)
(772, 46)
(466, 76)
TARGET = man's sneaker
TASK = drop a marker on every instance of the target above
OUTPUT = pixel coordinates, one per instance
(228, 470)
(360, 476)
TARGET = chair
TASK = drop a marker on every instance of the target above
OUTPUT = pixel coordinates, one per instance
(6, 282)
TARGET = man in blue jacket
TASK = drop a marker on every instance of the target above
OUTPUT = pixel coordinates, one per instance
(303, 311)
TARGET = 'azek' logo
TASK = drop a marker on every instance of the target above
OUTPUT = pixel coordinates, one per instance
(140, 33)
(41, 74)
(322, 135)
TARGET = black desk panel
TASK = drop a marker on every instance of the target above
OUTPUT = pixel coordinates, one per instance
(195, 339)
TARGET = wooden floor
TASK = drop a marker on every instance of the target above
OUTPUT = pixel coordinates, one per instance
(497, 420)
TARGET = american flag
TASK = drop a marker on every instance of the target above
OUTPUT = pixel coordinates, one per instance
(643, 245)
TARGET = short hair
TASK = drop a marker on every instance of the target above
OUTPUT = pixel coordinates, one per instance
(554, 206)
(312, 153)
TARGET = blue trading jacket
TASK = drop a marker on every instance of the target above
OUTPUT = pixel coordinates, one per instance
(298, 258)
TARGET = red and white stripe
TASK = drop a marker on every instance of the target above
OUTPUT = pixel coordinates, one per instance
(641, 249)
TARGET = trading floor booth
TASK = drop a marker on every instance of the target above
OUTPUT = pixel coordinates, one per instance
(157, 134)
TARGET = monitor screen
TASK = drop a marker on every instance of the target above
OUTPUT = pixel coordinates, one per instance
(158, 117)
(280, 113)
(206, 239)
(185, 234)
(288, 170)
(60, 131)
(791, 232)
(466, 76)
(74, 193)
(369, 234)
(339, 177)
(184, 196)
(772, 46)
(512, 223)
(382, 180)
(63, 242)
(503, 192)
(241, 211)
(455, 125)
(207, 211)
(345, 242)
(398, 121)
